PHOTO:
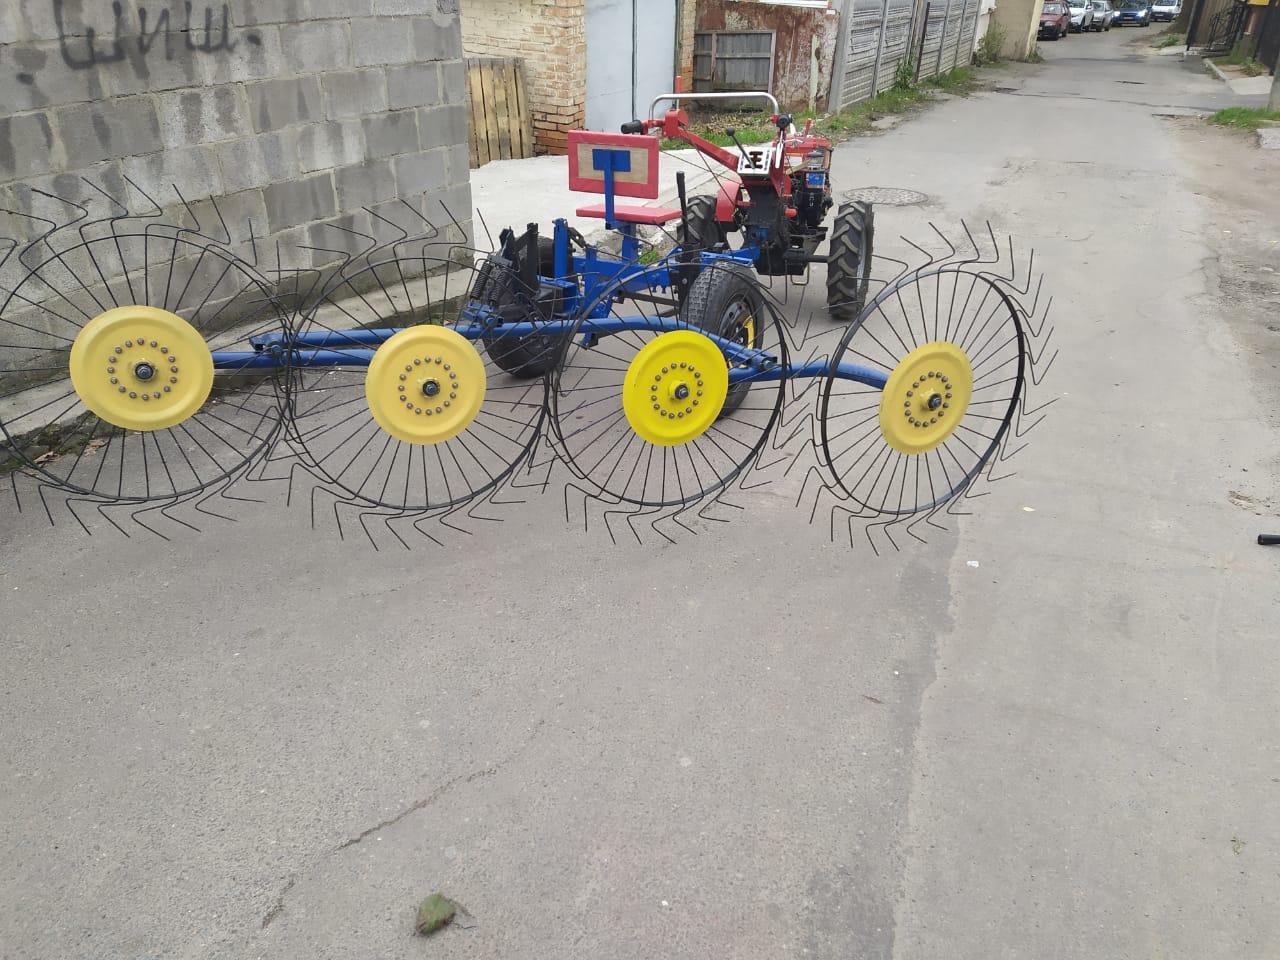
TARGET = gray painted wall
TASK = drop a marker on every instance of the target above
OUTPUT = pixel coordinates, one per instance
(609, 67)
(293, 113)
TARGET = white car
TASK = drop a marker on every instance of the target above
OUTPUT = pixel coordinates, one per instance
(1103, 14)
(1166, 10)
(1081, 15)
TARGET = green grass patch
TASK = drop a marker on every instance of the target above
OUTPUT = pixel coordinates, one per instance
(1244, 61)
(1170, 40)
(1245, 118)
(959, 81)
(858, 119)
(989, 47)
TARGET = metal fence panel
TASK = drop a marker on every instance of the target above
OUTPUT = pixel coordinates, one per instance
(880, 35)
(862, 29)
(895, 41)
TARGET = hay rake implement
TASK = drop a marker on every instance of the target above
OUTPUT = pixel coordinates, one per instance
(152, 362)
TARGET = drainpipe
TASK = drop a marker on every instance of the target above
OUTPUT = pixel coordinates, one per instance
(678, 60)
(635, 58)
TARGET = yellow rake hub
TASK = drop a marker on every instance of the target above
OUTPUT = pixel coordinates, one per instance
(675, 388)
(141, 368)
(926, 397)
(425, 384)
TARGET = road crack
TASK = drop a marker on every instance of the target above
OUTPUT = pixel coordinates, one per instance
(460, 780)
(277, 908)
(278, 905)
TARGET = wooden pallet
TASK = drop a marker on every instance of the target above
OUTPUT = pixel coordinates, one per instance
(501, 125)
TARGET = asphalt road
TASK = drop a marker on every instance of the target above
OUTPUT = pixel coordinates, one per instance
(1051, 732)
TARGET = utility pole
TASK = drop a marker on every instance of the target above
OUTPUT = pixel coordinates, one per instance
(1274, 102)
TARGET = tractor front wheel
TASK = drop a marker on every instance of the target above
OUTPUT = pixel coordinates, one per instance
(726, 301)
(705, 231)
(849, 262)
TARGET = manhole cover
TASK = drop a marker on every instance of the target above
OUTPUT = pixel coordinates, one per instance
(887, 196)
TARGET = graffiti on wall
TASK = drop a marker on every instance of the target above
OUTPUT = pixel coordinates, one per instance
(142, 30)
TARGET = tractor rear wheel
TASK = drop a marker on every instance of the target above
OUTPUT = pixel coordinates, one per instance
(705, 231)
(849, 262)
(530, 356)
(725, 300)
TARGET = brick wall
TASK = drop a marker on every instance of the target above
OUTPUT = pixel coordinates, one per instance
(292, 120)
(687, 25)
(550, 37)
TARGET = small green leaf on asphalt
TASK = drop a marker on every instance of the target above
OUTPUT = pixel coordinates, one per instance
(434, 913)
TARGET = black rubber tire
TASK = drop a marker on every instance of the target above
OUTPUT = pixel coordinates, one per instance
(849, 261)
(523, 357)
(710, 306)
(705, 231)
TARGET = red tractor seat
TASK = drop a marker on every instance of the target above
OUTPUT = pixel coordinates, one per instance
(651, 216)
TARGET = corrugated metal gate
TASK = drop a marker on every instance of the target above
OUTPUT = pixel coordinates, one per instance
(1208, 18)
(1268, 51)
(880, 35)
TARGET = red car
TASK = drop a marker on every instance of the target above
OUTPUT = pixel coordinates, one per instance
(1055, 20)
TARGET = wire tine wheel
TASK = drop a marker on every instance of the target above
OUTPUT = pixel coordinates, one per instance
(958, 346)
(656, 419)
(113, 311)
(395, 416)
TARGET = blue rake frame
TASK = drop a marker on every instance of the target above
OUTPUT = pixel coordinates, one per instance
(593, 278)
(344, 348)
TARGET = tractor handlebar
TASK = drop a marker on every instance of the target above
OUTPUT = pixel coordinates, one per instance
(675, 97)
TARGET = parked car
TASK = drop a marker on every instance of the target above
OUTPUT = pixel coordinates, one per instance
(1136, 12)
(1166, 10)
(1055, 20)
(1081, 15)
(1103, 14)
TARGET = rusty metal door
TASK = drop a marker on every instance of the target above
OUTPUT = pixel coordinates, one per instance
(733, 60)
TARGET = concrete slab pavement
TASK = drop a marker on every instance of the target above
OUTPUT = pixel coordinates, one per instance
(1259, 86)
(1049, 733)
(537, 189)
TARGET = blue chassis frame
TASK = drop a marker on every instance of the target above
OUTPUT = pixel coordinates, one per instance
(340, 348)
(600, 280)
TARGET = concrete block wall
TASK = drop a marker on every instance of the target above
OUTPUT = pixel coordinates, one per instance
(295, 113)
(1020, 21)
(550, 37)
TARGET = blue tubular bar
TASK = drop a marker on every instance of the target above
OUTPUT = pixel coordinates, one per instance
(814, 368)
(261, 360)
(354, 349)
(341, 339)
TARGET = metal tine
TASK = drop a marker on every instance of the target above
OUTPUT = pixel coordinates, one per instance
(88, 233)
(880, 514)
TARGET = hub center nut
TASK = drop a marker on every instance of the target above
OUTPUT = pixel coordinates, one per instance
(935, 401)
(681, 391)
(144, 371)
(430, 388)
